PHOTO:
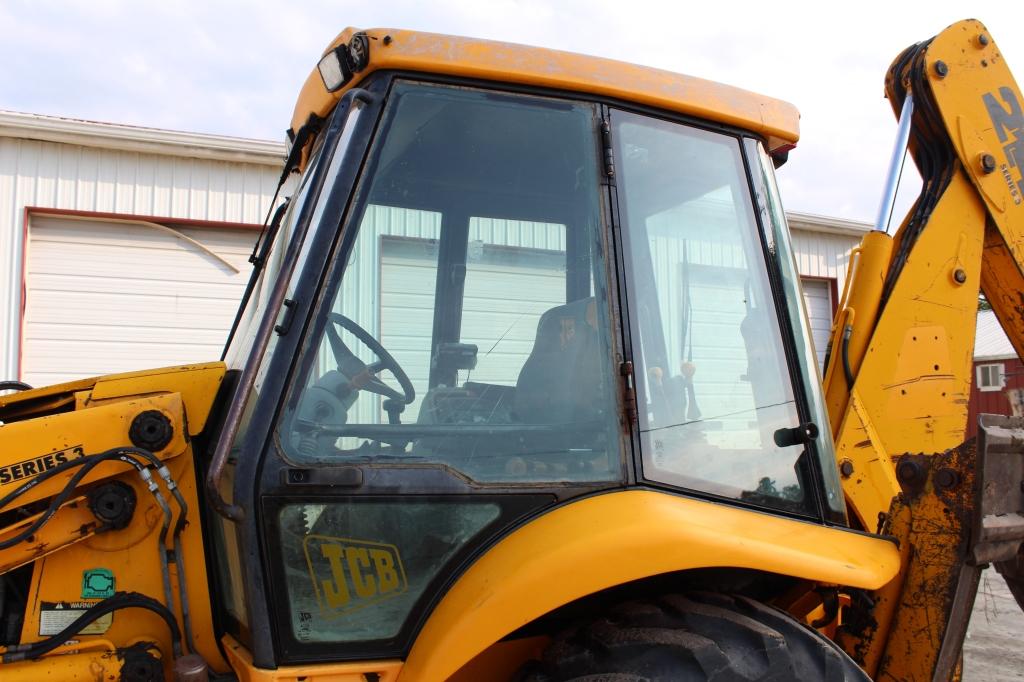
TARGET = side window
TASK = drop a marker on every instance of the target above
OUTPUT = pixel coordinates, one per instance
(714, 387)
(991, 377)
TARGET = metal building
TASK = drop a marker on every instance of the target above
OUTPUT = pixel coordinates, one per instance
(998, 381)
(123, 248)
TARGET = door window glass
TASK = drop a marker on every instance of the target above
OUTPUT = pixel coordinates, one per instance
(714, 389)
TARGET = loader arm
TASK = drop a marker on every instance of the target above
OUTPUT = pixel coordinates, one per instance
(899, 378)
(98, 498)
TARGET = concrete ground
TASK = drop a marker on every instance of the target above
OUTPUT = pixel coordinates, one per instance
(994, 648)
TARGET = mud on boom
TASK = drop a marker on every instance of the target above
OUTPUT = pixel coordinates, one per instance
(522, 388)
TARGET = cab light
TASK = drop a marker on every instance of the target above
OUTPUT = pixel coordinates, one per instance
(339, 65)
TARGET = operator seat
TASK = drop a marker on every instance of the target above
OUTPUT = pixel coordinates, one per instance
(561, 381)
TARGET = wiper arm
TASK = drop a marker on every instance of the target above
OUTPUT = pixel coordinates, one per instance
(258, 258)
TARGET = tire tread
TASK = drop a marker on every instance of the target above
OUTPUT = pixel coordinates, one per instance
(693, 636)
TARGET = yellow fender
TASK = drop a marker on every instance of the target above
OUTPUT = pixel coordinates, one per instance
(615, 538)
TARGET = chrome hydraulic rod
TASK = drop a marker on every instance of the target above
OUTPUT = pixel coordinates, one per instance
(895, 166)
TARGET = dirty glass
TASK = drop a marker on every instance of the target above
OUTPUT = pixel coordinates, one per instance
(469, 325)
(355, 569)
(780, 250)
(713, 384)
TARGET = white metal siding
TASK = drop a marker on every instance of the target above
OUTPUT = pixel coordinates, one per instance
(818, 299)
(822, 254)
(177, 183)
(104, 298)
(35, 174)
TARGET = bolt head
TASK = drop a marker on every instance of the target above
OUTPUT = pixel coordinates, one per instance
(846, 468)
(988, 163)
(959, 276)
(983, 40)
(907, 472)
(946, 478)
(941, 69)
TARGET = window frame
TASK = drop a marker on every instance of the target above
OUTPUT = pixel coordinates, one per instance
(810, 470)
(980, 372)
(343, 248)
(278, 480)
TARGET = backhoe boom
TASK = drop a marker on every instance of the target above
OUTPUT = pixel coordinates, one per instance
(901, 425)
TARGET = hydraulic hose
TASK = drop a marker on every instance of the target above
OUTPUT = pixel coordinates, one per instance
(120, 600)
(14, 386)
(165, 561)
(179, 561)
(85, 465)
(847, 370)
(130, 456)
(828, 358)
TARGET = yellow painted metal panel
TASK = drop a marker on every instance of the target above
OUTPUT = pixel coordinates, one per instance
(37, 445)
(607, 540)
(101, 422)
(241, 662)
(983, 111)
(197, 385)
(66, 667)
(914, 381)
(403, 50)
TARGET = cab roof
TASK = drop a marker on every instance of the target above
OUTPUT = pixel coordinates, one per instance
(395, 49)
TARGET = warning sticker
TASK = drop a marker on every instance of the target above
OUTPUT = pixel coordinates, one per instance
(55, 616)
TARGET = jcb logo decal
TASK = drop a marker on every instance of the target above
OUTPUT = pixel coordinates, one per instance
(349, 574)
(1008, 121)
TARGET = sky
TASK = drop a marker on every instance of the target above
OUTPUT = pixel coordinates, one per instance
(235, 68)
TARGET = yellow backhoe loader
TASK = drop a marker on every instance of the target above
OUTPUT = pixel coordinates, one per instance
(522, 388)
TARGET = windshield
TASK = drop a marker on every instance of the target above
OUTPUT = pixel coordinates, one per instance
(241, 343)
(466, 322)
(780, 250)
(714, 387)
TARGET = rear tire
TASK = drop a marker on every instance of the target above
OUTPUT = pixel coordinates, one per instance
(696, 636)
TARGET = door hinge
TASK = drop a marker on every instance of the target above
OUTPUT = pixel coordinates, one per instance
(606, 143)
(628, 390)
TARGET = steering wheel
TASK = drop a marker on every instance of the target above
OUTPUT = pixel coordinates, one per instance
(361, 375)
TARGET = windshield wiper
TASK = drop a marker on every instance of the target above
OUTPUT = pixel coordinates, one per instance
(258, 258)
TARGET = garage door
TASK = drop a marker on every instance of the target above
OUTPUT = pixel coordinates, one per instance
(113, 297)
(818, 299)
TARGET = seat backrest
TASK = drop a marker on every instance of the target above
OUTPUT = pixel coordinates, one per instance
(561, 380)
